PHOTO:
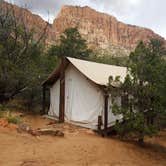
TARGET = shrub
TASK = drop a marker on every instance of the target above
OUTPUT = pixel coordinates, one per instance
(14, 120)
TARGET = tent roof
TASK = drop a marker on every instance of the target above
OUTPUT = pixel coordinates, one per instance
(97, 72)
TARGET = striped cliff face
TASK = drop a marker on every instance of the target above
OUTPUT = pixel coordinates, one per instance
(102, 31)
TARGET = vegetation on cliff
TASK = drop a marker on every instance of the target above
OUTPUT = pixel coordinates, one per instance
(70, 44)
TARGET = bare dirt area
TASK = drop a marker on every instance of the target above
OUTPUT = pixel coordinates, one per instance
(78, 147)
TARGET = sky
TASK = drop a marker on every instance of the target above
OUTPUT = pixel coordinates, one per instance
(145, 13)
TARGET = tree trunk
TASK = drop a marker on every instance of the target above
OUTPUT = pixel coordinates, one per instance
(4, 99)
(141, 140)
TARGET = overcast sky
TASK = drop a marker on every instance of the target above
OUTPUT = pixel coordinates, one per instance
(146, 13)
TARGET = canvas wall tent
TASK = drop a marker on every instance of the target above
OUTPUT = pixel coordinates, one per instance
(77, 92)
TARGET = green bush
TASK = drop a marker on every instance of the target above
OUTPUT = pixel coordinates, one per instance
(3, 107)
(13, 120)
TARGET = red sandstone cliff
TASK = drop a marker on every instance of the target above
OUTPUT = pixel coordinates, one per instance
(102, 31)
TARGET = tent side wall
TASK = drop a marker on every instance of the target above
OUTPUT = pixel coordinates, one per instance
(84, 101)
(54, 99)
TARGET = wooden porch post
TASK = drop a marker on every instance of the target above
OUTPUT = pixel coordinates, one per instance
(62, 92)
(105, 112)
(99, 124)
(44, 100)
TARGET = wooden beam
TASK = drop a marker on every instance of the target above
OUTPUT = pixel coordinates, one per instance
(62, 91)
(44, 100)
(106, 112)
(99, 123)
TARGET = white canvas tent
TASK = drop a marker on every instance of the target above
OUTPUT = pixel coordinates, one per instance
(77, 92)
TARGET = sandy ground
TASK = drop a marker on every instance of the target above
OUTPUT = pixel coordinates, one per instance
(79, 147)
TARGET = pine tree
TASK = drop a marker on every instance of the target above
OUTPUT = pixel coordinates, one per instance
(143, 89)
(71, 44)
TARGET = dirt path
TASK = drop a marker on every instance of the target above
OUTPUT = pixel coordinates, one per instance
(79, 147)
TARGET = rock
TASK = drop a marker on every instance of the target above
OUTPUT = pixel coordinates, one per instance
(102, 31)
(51, 123)
(34, 132)
(3, 122)
(99, 29)
(12, 126)
(51, 132)
(23, 127)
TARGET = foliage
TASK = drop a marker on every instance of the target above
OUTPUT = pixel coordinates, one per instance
(18, 56)
(71, 44)
(13, 120)
(1, 107)
(24, 64)
(119, 61)
(143, 90)
(6, 113)
(32, 96)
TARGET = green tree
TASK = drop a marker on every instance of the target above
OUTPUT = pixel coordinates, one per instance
(118, 61)
(143, 90)
(70, 44)
(23, 61)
